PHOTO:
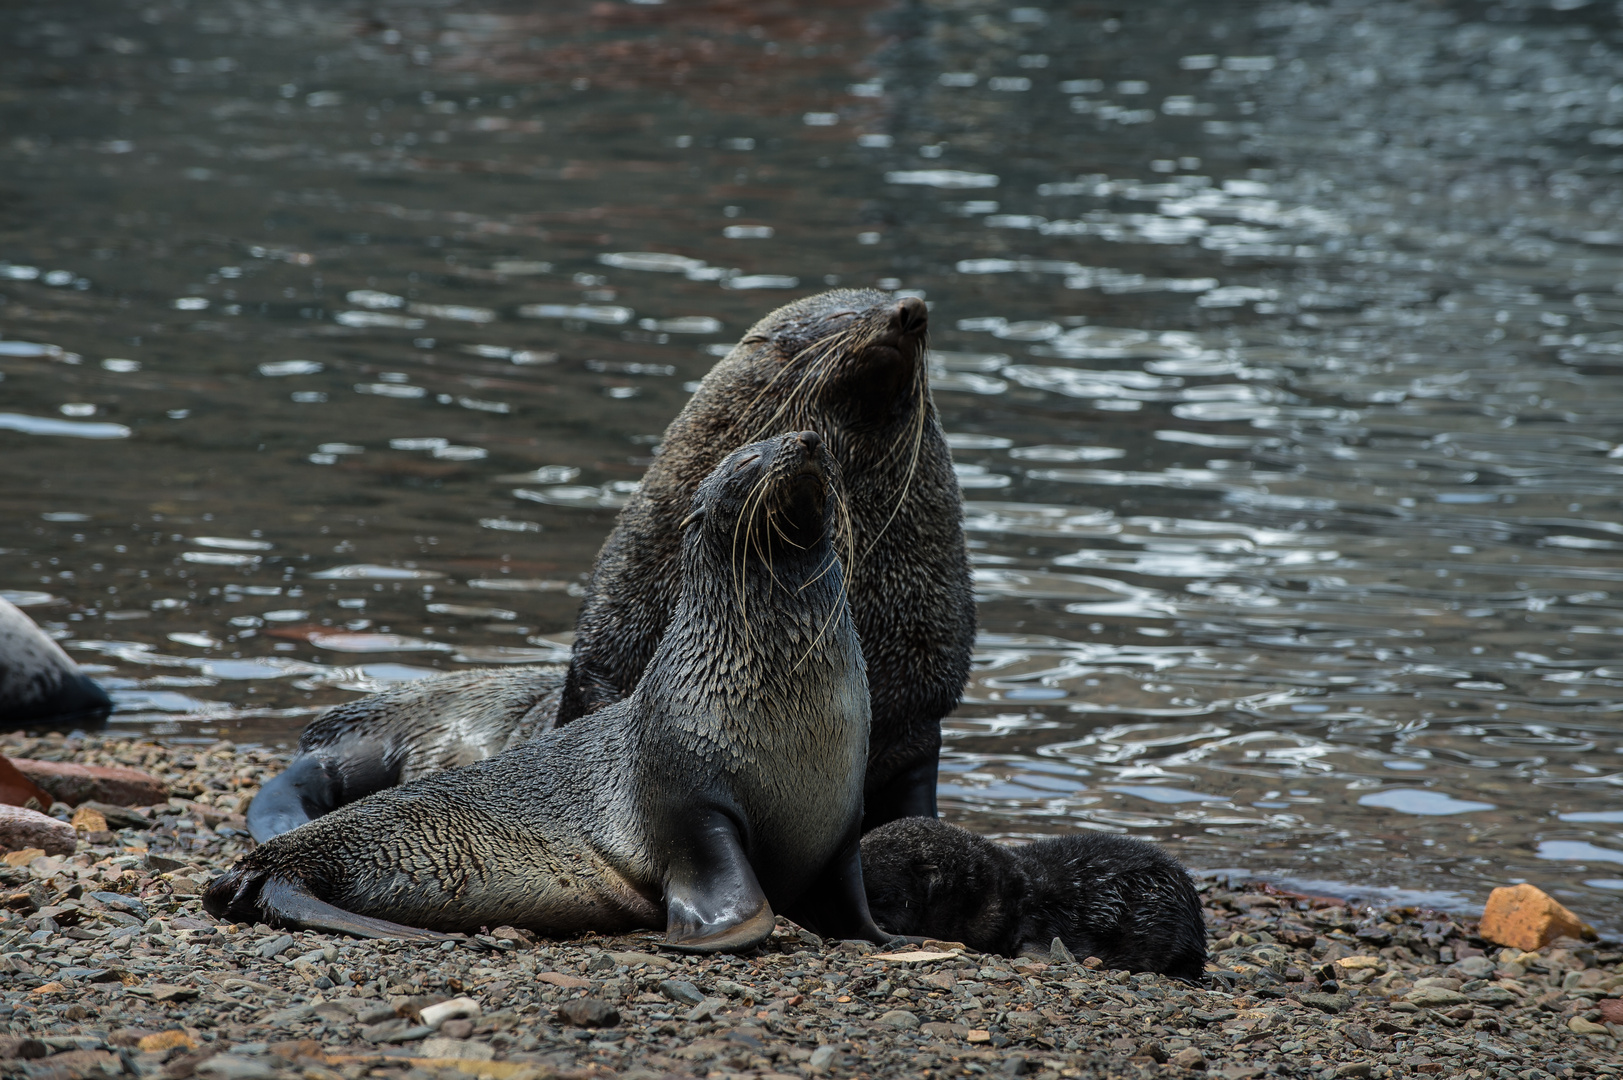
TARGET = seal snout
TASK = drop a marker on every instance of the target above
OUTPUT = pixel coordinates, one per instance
(910, 317)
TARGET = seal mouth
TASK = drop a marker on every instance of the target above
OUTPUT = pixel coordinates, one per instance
(803, 502)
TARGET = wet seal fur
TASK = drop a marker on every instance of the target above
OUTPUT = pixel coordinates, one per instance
(848, 364)
(1127, 902)
(39, 684)
(727, 786)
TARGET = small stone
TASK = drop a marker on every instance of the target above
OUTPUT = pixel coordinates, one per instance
(1356, 1069)
(165, 1040)
(87, 820)
(1611, 1010)
(232, 1067)
(1496, 996)
(589, 1012)
(127, 904)
(454, 1029)
(1434, 997)
(822, 1058)
(1093, 963)
(22, 828)
(900, 1018)
(1188, 1058)
(462, 1008)
(1525, 917)
(704, 1010)
(1059, 954)
(23, 857)
(1474, 967)
(683, 992)
(458, 1049)
(1329, 1003)
(558, 978)
(276, 946)
(1579, 1026)
(978, 1035)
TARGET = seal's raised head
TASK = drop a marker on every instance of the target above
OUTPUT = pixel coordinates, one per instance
(772, 501)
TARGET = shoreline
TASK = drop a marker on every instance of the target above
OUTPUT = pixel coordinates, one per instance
(108, 966)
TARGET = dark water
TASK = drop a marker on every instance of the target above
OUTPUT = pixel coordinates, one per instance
(1281, 346)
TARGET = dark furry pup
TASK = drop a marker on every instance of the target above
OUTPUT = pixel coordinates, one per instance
(1124, 901)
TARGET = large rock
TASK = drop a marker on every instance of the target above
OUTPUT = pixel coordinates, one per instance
(74, 784)
(1525, 917)
(23, 828)
(16, 789)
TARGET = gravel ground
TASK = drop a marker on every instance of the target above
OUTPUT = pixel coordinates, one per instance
(108, 965)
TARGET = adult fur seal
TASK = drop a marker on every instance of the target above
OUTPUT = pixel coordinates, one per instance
(728, 784)
(1122, 900)
(848, 364)
(39, 684)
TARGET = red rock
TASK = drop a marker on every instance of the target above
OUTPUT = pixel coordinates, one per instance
(16, 789)
(1525, 917)
(23, 828)
(74, 784)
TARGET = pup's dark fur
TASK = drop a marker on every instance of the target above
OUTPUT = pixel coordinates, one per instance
(1124, 901)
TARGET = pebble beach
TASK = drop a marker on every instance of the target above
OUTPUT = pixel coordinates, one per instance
(110, 967)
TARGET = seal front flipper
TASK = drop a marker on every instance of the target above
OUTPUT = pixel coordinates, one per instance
(255, 896)
(712, 901)
(836, 904)
(311, 786)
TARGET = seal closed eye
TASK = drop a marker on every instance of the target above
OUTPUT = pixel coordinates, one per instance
(727, 786)
(848, 364)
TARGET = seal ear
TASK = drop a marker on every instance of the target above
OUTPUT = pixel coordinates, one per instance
(697, 515)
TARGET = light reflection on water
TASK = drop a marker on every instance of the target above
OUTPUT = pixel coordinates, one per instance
(1279, 351)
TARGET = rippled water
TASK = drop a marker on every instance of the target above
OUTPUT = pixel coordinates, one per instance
(1281, 348)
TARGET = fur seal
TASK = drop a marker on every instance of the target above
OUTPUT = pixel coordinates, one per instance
(728, 784)
(39, 683)
(848, 364)
(1127, 902)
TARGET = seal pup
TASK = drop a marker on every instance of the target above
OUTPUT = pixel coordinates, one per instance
(728, 784)
(848, 364)
(39, 683)
(1127, 902)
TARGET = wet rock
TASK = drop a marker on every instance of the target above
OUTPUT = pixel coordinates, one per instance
(22, 828)
(1525, 917)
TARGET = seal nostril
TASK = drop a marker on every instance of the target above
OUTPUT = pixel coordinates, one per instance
(910, 316)
(811, 440)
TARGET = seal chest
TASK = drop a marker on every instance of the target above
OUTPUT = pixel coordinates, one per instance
(728, 784)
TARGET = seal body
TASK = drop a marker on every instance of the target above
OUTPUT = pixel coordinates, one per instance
(848, 364)
(39, 683)
(1122, 900)
(729, 783)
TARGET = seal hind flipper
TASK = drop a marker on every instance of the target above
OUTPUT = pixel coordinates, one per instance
(311, 786)
(362, 747)
(713, 902)
(257, 896)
